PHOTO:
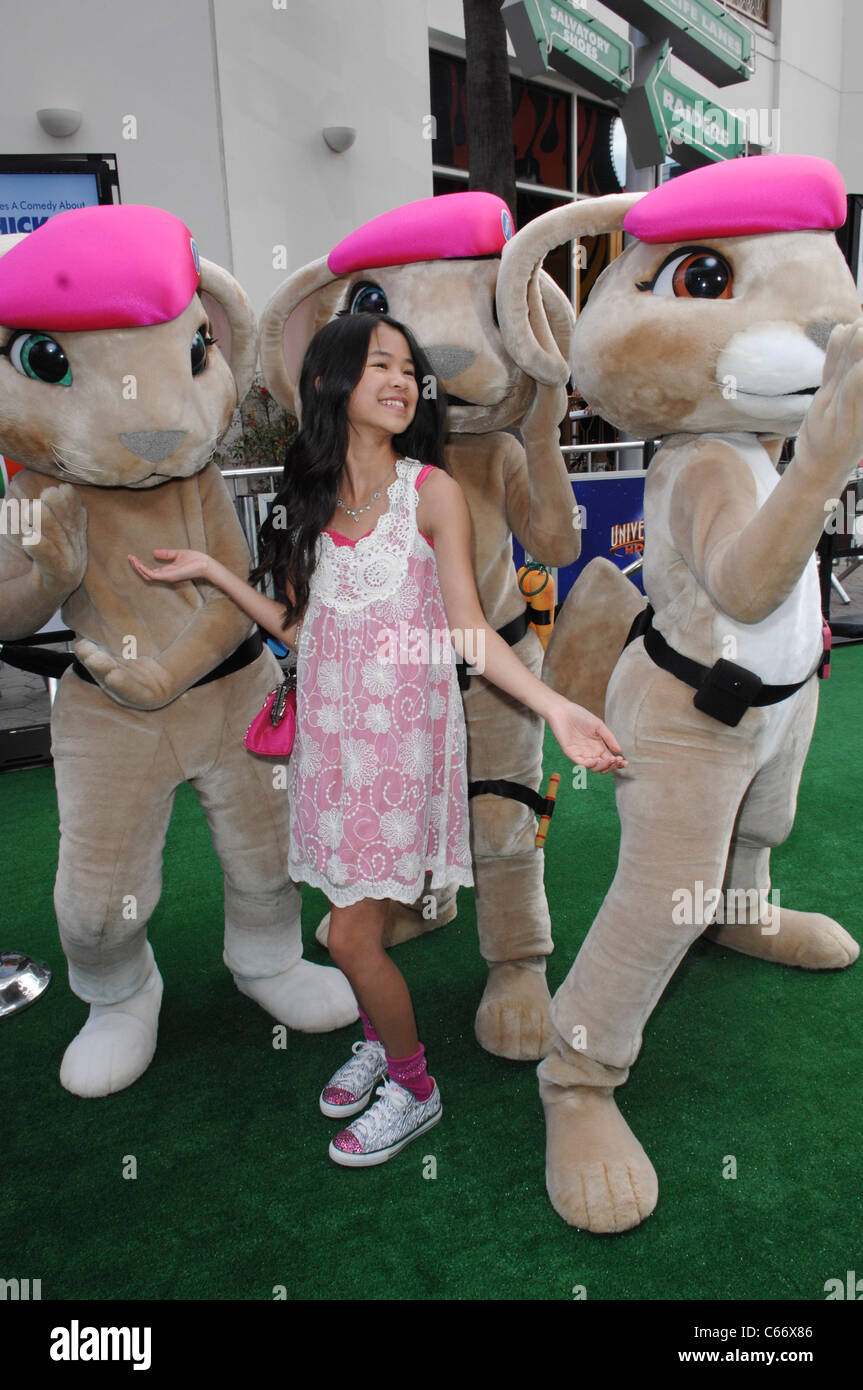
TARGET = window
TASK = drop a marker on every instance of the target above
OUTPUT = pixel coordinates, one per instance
(542, 141)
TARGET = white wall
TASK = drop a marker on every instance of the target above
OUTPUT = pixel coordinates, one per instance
(115, 58)
(809, 75)
(810, 37)
(286, 73)
(447, 17)
(851, 106)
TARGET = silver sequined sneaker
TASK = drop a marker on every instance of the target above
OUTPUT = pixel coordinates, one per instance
(393, 1121)
(349, 1090)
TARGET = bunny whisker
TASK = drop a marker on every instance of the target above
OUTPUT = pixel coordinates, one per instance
(77, 468)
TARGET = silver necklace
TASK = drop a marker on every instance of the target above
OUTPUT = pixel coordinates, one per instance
(367, 508)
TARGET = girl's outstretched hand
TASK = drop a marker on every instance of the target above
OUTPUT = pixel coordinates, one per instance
(182, 564)
(585, 739)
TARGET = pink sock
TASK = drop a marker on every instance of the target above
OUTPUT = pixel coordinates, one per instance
(368, 1028)
(410, 1072)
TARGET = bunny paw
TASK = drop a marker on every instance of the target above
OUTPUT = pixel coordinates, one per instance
(405, 921)
(513, 1019)
(808, 940)
(116, 1044)
(597, 1174)
(310, 998)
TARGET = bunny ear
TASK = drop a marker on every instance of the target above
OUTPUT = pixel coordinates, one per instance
(232, 320)
(10, 239)
(524, 328)
(558, 311)
(288, 323)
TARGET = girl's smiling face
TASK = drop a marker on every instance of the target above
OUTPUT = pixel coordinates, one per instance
(386, 394)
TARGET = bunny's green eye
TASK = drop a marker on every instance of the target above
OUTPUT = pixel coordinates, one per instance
(41, 358)
(367, 298)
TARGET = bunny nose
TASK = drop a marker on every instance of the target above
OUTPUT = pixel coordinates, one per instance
(153, 445)
(449, 362)
(819, 333)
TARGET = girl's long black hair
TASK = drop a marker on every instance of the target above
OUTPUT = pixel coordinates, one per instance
(335, 359)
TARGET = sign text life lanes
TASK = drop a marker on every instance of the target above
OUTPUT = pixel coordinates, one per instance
(701, 32)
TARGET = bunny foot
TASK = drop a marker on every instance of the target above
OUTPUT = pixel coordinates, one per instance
(309, 998)
(805, 939)
(513, 1018)
(404, 922)
(116, 1044)
(597, 1174)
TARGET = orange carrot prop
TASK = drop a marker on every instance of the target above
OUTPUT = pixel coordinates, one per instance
(545, 819)
(537, 587)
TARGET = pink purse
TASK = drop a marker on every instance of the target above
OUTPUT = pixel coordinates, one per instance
(271, 732)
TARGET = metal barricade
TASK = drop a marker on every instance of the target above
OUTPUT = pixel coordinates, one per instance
(252, 506)
(603, 447)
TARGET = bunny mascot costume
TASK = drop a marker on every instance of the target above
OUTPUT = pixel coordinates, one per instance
(122, 357)
(434, 264)
(729, 323)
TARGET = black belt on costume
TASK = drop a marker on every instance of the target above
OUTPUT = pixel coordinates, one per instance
(498, 786)
(245, 654)
(725, 690)
(516, 791)
(510, 632)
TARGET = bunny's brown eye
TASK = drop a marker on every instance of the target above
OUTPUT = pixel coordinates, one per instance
(693, 273)
(702, 277)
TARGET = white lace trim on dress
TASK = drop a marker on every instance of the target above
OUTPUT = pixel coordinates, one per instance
(390, 888)
(349, 577)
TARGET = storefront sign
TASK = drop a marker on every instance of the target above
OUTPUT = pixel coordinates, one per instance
(612, 507)
(29, 199)
(566, 38)
(701, 32)
(664, 117)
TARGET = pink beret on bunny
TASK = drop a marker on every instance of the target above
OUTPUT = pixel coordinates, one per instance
(454, 226)
(773, 193)
(104, 267)
(730, 323)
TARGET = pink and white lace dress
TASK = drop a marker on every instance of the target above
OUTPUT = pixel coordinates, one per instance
(378, 781)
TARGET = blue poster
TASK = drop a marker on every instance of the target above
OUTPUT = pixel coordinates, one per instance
(612, 524)
(28, 200)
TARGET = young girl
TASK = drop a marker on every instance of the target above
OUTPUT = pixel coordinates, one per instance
(369, 540)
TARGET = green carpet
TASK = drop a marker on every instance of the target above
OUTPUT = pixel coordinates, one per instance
(235, 1196)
